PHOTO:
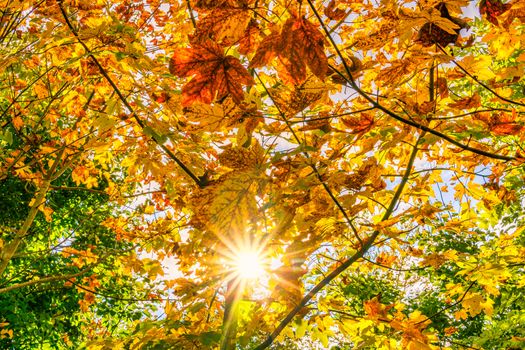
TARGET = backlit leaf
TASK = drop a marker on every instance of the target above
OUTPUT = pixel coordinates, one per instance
(214, 75)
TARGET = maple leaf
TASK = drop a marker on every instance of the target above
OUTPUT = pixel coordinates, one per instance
(492, 9)
(441, 29)
(215, 75)
(233, 206)
(473, 303)
(333, 12)
(300, 44)
(224, 26)
(467, 102)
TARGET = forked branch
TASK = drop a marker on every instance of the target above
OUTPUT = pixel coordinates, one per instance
(348, 78)
(348, 262)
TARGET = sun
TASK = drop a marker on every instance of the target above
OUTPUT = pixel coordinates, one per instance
(249, 264)
(245, 259)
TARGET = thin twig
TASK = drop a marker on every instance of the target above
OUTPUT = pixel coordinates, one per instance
(139, 121)
(481, 83)
(449, 306)
(347, 263)
(348, 77)
(192, 17)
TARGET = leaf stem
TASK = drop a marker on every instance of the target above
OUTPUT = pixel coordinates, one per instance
(192, 17)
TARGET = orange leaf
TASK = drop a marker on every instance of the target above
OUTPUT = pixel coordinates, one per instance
(467, 103)
(215, 76)
(504, 124)
(375, 309)
(300, 44)
(359, 125)
(333, 12)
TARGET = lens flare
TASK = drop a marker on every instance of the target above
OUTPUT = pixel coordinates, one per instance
(249, 264)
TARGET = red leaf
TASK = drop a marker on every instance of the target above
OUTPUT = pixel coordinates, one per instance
(492, 9)
(214, 75)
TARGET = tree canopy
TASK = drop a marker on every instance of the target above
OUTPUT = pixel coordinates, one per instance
(253, 174)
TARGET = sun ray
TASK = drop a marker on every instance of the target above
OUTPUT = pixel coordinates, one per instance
(245, 257)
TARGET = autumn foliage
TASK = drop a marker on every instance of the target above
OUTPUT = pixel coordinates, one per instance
(369, 155)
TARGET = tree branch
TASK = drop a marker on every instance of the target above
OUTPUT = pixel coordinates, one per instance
(192, 17)
(43, 280)
(139, 121)
(312, 165)
(7, 253)
(351, 81)
(449, 306)
(347, 263)
(481, 83)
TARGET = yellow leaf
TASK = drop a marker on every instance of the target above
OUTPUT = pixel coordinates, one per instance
(6, 333)
(445, 24)
(417, 345)
(460, 315)
(473, 303)
(150, 209)
(300, 330)
(479, 65)
(234, 205)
